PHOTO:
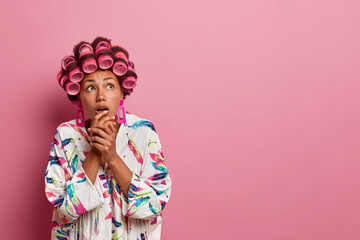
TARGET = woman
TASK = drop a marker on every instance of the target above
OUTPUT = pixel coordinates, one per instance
(106, 176)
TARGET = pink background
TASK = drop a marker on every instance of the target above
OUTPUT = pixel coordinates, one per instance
(256, 104)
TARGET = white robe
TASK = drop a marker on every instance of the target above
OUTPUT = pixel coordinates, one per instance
(101, 211)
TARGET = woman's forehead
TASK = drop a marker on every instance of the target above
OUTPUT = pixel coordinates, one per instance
(99, 75)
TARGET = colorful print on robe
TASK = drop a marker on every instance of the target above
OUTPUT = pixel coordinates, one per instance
(154, 221)
(134, 190)
(55, 160)
(78, 129)
(55, 142)
(151, 143)
(158, 164)
(96, 227)
(143, 236)
(136, 204)
(67, 141)
(63, 233)
(115, 236)
(115, 190)
(142, 123)
(107, 188)
(116, 223)
(135, 151)
(58, 202)
(73, 159)
(152, 208)
(78, 208)
(82, 177)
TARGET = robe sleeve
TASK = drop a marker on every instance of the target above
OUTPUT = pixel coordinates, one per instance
(150, 190)
(67, 186)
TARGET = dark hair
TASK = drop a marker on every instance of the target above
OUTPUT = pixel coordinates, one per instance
(111, 52)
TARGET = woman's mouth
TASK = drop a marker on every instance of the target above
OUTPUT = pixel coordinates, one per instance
(102, 109)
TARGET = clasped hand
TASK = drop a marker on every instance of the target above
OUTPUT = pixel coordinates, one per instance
(102, 136)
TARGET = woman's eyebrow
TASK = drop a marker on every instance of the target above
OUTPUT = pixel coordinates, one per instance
(90, 80)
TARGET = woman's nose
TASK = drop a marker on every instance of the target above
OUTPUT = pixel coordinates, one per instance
(101, 96)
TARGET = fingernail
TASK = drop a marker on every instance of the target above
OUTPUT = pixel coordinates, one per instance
(113, 117)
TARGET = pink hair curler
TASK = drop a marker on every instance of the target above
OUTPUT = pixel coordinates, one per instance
(131, 64)
(68, 63)
(120, 65)
(72, 88)
(76, 75)
(60, 76)
(119, 68)
(89, 64)
(102, 46)
(102, 53)
(62, 80)
(105, 61)
(121, 55)
(121, 113)
(129, 82)
(61, 72)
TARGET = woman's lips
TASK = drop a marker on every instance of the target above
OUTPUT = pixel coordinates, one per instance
(100, 110)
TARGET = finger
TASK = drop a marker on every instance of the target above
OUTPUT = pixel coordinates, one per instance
(98, 146)
(108, 128)
(102, 148)
(98, 117)
(99, 132)
(104, 119)
(105, 127)
(112, 127)
(100, 140)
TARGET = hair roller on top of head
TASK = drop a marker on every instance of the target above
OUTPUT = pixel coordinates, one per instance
(129, 82)
(70, 66)
(130, 79)
(103, 54)
(121, 60)
(59, 76)
(131, 64)
(72, 88)
(87, 58)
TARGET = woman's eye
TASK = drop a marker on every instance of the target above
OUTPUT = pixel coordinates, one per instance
(90, 88)
(110, 86)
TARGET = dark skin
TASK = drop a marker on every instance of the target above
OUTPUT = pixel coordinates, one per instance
(101, 88)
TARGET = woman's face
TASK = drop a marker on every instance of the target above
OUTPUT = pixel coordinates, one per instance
(100, 90)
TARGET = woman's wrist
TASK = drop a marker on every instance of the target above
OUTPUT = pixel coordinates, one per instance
(95, 154)
(113, 160)
(91, 165)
